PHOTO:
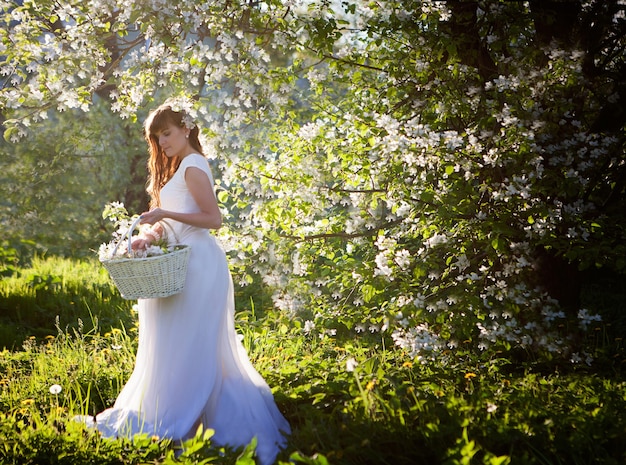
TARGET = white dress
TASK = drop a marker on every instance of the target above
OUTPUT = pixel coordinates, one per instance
(191, 368)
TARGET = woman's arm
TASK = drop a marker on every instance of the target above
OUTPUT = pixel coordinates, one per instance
(201, 189)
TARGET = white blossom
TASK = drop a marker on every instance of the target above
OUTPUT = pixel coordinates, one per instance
(436, 240)
(419, 341)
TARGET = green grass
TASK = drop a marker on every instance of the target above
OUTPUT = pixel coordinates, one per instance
(56, 292)
(478, 408)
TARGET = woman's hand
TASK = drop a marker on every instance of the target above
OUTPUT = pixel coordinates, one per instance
(140, 243)
(149, 236)
(152, 217)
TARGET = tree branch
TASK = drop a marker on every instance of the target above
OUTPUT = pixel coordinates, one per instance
(343, 234)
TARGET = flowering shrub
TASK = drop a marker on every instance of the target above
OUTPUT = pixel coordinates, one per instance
(412, 169)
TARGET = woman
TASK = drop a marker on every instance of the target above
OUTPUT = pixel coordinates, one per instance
(191, 369)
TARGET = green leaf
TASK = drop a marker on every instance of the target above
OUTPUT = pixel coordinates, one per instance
(495, 243)
(369, 292)
(9, 133)
(222, 196)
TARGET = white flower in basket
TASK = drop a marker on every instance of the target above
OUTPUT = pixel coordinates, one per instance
(157, 271)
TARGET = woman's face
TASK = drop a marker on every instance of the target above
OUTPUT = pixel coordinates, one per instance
(173, 140)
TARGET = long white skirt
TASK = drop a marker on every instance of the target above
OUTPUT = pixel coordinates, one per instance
(191, 368)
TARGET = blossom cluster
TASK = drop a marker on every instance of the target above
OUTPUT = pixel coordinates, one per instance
(117, 247)
(420, 342)
(185, 106)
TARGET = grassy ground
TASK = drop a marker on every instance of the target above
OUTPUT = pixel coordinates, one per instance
(349, 400)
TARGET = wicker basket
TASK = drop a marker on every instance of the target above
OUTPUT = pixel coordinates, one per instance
(151, 277)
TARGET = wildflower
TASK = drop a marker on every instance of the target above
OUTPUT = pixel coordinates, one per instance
(491, 408)
(351, 364)
(575, 358)
(55, 389)
(586, 318)
(329, 332)
(470, 375)
(308, 326)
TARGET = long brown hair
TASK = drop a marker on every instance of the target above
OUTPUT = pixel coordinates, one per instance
(161, 168)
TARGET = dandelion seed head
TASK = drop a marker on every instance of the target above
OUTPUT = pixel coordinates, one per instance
(55, 389)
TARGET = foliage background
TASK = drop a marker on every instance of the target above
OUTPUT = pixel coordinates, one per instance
(445, 177)
(56, 181)
(449, 171)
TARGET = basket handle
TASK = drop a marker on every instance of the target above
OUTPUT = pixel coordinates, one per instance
(130, 235)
